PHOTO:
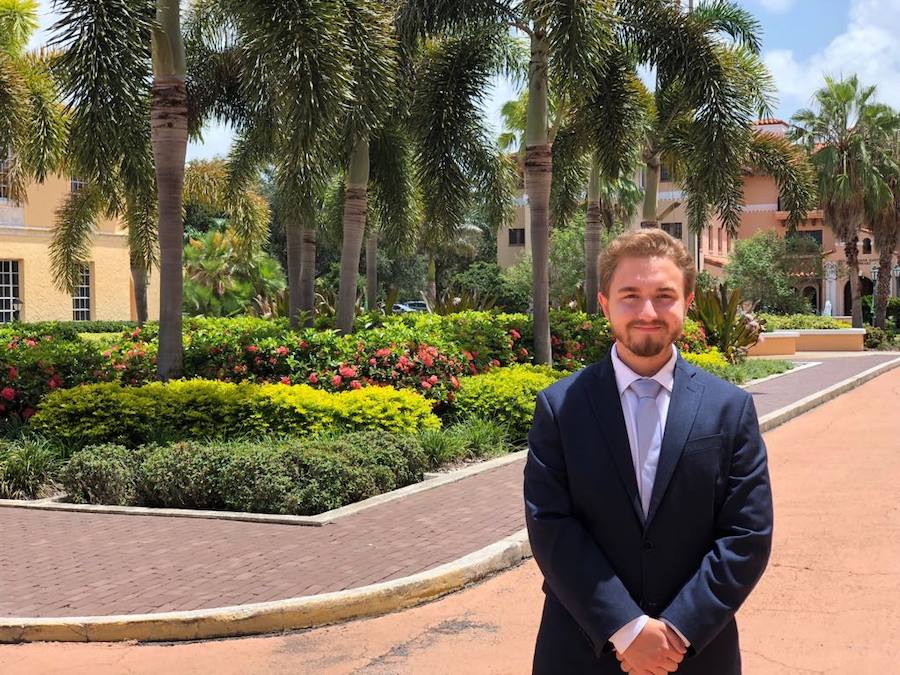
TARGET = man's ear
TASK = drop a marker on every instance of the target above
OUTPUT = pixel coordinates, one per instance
(688, 301)
(604, 304)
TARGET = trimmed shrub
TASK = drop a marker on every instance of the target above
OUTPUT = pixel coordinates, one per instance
(201, 409)
(876, 338)
(799, 322)
(505, 396)
(712, 362)
(183, 476)
(101, 474)
(27, 466)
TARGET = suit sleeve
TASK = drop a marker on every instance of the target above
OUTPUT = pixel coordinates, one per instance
(739, 555)
(574, 567)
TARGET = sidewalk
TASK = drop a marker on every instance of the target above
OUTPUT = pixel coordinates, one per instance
(825, 604)
(58, 564)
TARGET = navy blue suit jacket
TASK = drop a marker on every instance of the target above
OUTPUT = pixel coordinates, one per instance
(695, 558)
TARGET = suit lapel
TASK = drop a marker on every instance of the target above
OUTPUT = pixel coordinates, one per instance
(604, 397)
(683, 407)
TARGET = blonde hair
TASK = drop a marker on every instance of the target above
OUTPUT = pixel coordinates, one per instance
(646, 243)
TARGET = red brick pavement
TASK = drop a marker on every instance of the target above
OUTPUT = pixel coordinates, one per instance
(79, 564)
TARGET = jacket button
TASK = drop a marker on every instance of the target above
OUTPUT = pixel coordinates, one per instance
(648, 545)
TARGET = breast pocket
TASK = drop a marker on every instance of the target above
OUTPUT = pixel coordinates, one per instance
(703, 444)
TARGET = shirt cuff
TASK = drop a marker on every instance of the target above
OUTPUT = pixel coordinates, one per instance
(678, 633)
(623, 637)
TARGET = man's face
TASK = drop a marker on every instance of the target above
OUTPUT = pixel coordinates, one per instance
(646, 304)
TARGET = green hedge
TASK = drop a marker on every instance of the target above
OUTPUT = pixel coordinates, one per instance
(65, 330)
(506, 396)
(199, 409)
(799, 322)
(286, 476)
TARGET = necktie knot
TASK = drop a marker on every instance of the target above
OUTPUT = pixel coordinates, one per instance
(646, 387)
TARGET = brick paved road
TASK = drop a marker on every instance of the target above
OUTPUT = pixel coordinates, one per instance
(77, 564)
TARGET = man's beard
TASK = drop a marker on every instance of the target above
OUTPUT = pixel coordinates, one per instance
(647, 346)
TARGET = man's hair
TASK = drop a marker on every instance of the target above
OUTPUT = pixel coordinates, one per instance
(646, 243)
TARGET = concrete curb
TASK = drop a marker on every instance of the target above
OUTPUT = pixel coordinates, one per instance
(281, 615)
(789, 412)
(329, 608)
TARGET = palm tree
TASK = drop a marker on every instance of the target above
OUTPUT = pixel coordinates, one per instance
(32, 119)
(570, 44)
(122, 70)
(843, 136)
(885, 222)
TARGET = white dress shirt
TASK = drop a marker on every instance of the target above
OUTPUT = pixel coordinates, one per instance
(645, 475)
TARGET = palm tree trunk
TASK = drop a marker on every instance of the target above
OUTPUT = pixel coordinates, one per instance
(538, 180)
(308, 279)
(354, 230)
(432, 280)
(651, 191)
(294, 236)
(851, 252)
(372, 271)
(139, 283)
(169, 134)
(592, 227)
(883, 286)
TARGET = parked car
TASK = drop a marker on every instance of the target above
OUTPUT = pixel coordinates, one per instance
(410, 306)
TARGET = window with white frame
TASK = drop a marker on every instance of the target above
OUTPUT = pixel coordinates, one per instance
(9, 290)
(5, 187)
(81, 300)
(76, 184)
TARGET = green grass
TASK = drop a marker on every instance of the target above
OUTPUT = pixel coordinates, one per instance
(754, 369)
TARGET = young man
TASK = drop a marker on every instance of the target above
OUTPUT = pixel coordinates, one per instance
(647, 491)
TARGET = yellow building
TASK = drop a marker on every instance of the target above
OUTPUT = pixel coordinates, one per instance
(27, 292)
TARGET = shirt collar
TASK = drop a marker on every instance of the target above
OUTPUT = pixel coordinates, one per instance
(625, 375)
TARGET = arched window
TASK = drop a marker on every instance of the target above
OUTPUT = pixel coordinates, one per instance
(867, 245)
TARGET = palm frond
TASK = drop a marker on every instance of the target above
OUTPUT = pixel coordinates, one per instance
(721, 16)
(790, 167)
(141, 220)
(392, 187)
(104, 69)
(71, 243)
(18, 22)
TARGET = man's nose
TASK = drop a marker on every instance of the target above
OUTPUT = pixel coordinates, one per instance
(647, 310)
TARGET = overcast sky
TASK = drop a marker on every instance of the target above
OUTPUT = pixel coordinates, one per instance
(802, 41)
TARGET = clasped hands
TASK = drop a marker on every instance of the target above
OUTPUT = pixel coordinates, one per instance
(656, 650)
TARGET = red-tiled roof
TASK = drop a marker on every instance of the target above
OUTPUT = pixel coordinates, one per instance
(770, 120)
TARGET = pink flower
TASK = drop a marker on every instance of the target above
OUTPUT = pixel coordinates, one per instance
(251, 349)
(425, 384)
(355, 384)
(285, 380)
(495, 362)
(515, 334)
(8, 393)
(454, 381)
(433, 379)
(28, 412)
(282, 351)
(30, 342)
(347, 371)
(303, 344)
(52, 383)
(373, 361)
(336, 381)
(313, 378)
(13, 373)
(427, 360)
(381, 353)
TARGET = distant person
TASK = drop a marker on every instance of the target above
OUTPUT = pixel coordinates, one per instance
(647, 492)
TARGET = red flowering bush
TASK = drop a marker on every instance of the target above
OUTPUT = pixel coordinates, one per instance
(33, 366)
(693, 339)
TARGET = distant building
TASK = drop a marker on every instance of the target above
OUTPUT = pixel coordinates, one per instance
(762, 212)
(27, 292)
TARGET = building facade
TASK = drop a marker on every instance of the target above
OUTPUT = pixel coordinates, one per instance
(27, 292)
(761, 213)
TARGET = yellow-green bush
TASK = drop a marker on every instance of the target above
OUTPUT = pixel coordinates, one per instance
(202, 409)
(711, 361)
(506, 395)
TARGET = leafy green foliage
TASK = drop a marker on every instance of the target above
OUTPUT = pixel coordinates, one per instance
(101, 474)
(727, 326)
(197, 409)
(27, 466)
(768, 268)
(772, 322)
(486, 280)
(221, 280)
(506, 394)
